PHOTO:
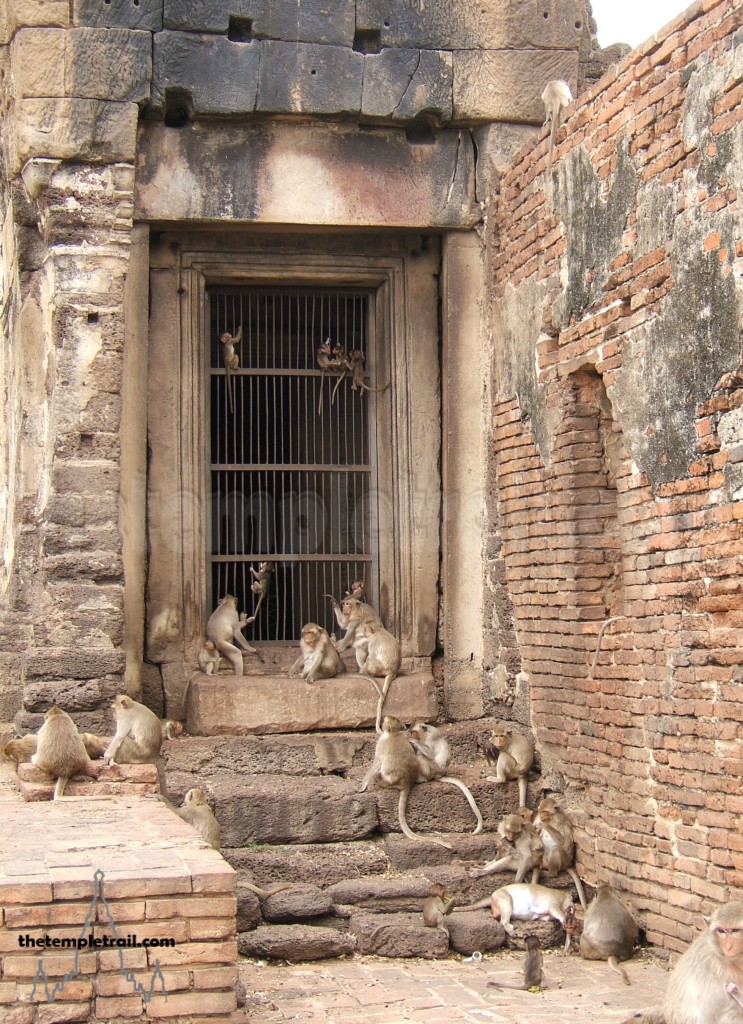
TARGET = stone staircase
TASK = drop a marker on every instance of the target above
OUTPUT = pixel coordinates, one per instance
(282, 762)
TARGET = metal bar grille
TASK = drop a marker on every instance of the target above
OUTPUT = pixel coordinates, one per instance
(290, 465)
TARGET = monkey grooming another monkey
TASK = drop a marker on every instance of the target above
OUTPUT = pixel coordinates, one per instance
(559, 846)
(60, 751)
(225, 626)
(609, 931)
(327, 361)
(208, 658)
(319, 658)
(20, 749)
(434, 754)
(355, 363)
(231, 360)
(524, 902)
(436, 907)
(523, 853)
(395, 765)
(705, 985)
(556, 96)
(350, 615)
(515, 756)
(377, 654)
(532, 967)
(171, 729)
(138, 734)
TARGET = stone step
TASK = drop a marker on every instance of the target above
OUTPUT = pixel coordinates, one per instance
(104, 780)
(239, 705)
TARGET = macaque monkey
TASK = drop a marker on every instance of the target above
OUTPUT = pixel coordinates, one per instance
(532, 967)
(559, 848)
(197, 812)
(556, 96)
(571, 927)
(138, 734)
(610, 932)
(357, 590)
(261, 583)
(60, 751)
(95, 745)
(231, 360)
(350, 615)
(523, 853)
(396, 765)
(378, 654)
(524, 902)
(355, 363)
(706, 985)
(208, 658)
(224, 626)
(328, 361)
(20, 749)
(171, 729)
(515, 756)
(434, 754)
(436, 907)
(319, 658)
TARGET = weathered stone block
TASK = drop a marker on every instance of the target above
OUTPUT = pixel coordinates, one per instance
(407, 856)
(322, 865)
(74, 129)
(295, 942)
(51, 13)
(318, 175)
(300, 78)
(142, 14)
(404, 84)
(468, 932)
(38, 60)
(398, 935)
(104, 780)
(296, 903)
(315, 21)
(497, 146)
(81, 663)
(248, 908)
(108, 64)
(439, 806)
(506, 85)
(274, 809)
(266, 704)
(220, 76)
(405, 893)
(97, 722)
(473, 24)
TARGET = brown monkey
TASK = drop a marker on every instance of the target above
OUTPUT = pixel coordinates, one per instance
(556, 96)
(197, 812)
(532, 967)
(523, 851)
(705, 985)
(559, 847)
(261, 582)
(60, 751)
(20, 749)
(95, 745)
(436, 907)
(395, 765)
(357, 590)
(524, 902)
(319, 658)
(378, 654)
(514, 756)
(138, 734)
(571, 927)
(355, 363)
(350, 615)
(609, 931)
(224, 626)
(434, 754)
(208, 658)
(328, 361)
(230, 359)
(171, 729)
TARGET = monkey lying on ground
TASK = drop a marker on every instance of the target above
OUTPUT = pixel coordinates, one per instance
(224, 626)
(556, 832)
(523, 902)
(60, 751)
(609, 931)
(319, 658)
(396, 765)
(523, 853)
(436, 907)
(532, 967)
(434, 754)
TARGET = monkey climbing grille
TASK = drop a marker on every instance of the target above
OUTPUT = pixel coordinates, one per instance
(290, 466)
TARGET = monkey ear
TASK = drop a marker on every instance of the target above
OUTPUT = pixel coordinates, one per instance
(707, 921)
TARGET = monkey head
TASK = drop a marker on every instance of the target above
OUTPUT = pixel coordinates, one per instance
(526, 814)
(195, 796)
(228, 599)
(368, 629)
(312, 633)
(437, 889)
(512, 826)
(210, 646)
(726, 926)
(391, 724)
(548, 808)
(500, 736)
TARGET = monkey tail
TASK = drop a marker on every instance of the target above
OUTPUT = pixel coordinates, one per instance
(468, 797)
(618, 969)
(480, 905)
(579, 886)
(60, 787)
(407, 831)
(550, 189)
(366, 387)
(383, 696)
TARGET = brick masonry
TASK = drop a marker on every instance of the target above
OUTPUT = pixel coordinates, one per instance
(616, 449)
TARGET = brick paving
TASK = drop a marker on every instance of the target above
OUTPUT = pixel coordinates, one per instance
(374, 990)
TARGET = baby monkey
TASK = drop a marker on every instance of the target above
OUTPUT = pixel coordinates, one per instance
(436, 907)
(532, 966)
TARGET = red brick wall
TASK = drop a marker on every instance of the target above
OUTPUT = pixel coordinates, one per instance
(595, 522)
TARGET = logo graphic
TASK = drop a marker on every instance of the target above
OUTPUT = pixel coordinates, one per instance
(119, 942)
